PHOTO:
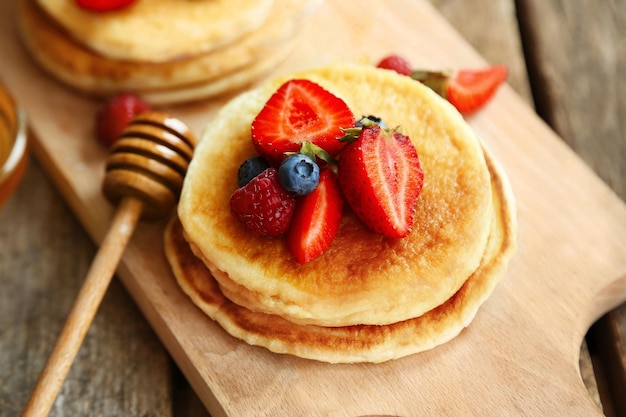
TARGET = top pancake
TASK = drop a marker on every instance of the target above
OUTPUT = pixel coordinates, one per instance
(160, 30)
(364, 278)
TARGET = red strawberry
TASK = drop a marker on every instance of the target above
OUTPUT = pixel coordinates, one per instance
(115, 114)
(263, 205)
(316, 219)
(396, 63)
(381, 178)
(469, 89)
(299, 111)
(103, 5)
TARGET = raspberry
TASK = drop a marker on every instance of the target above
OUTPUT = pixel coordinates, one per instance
(263, 205)
(115, 114)
(397, 64)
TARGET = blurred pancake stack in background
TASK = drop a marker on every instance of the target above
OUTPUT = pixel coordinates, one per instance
(167, 51)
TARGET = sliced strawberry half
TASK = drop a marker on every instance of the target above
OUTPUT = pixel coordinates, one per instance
(468, 89)
(316, 219)
(381, 178)
(300, 110)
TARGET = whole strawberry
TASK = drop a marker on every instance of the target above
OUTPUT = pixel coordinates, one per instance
(396, 63)
(263, 205)
(381, 178)
(115, 114)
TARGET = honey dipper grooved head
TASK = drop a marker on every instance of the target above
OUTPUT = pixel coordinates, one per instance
(149, 162)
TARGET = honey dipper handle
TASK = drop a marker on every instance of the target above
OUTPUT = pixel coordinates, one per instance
(84, 309)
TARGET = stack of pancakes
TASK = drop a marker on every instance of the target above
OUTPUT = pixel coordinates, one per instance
(167, 51)
(368, 298)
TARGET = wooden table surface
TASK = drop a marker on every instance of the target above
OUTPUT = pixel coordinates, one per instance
(566, 59)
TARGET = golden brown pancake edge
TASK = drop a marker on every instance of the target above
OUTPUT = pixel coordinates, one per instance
(363, 278)
(361, 343)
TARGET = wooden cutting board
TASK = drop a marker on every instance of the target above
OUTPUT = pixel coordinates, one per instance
(520, 354)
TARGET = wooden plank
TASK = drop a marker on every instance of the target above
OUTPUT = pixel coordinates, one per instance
(534, 337)
(44, 254)
(501, 44)
(577, 56)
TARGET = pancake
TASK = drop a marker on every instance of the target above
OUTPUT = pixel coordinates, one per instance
(181, 80)
(363, 278)
(215, 86)
(160, 30)
(360, 343)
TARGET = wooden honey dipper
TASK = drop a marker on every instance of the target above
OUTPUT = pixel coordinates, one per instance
(144, 177)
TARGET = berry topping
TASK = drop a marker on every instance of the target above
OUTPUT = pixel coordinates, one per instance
(115, 114)
(467, 89)
(263, 205)
(299, 174)
(381, 178)
(300, 110)
(396, 63)
(316, 219)
(103, 5)
(250, 168)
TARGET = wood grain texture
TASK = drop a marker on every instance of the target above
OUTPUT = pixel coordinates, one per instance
(576, 58)
(577, 64)
(84, 309)
(208, 358)
(498, 43)
(502, 43)
(42, 263)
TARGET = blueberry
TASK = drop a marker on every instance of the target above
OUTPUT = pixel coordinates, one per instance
(372, 118)
(250, 168)
(299, 174)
